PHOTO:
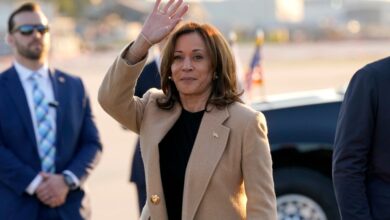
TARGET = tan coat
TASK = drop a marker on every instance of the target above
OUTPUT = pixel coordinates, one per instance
(231, 148)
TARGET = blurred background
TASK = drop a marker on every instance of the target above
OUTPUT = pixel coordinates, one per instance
(300, 45)
(85, 25)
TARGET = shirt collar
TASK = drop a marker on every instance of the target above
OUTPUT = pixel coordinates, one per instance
(25, 73)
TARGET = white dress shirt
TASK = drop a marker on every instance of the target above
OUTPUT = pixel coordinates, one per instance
(44, 83)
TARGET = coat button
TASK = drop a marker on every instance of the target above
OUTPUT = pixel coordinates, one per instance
(155, 199)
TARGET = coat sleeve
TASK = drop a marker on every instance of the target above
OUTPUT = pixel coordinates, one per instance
(14, 173)
(88, 144)
(257, 171)
(116, 93)
(352, 145)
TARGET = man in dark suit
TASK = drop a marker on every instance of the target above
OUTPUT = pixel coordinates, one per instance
(48, 141)
(361, 159)
(149, 78)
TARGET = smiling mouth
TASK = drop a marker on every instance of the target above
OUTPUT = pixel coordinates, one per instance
(187, 79)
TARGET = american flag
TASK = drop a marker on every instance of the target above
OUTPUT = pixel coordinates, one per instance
(254, 75)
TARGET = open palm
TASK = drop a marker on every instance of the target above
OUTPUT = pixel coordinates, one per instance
(163, 20)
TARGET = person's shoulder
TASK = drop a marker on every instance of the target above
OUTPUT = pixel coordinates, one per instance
(378, 68)
(241, 107)
(242, 111)
(6, 71)
(242, 116)
(67, 75)
(7, 74)
(381, 63)
(372, 77)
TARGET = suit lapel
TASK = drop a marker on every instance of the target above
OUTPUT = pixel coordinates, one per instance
(60, 95)
(58, 82)
(208, 148)
(155, 134)
(18, 96)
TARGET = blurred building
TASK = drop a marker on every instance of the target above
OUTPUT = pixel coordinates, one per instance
(105, 24)
(109, 24)
(5, 9)
(128, 10)
(303, 19)
(368, 19)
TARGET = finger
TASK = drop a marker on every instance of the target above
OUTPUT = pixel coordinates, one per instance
(42, 191)
(45, 199)
(55, 200)
(156, 5)
(44, 175)
(166, 7)
(60, 202)
(45, 193)
(173, 25)
(39, 190)
(53, 203)
(174, 8)
(181, 12)
(44, 196)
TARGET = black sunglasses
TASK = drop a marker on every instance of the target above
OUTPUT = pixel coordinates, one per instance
(28, 29)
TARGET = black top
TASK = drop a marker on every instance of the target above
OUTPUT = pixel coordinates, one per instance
(175, 150)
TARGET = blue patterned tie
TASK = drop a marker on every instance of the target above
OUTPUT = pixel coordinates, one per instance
(46, 136)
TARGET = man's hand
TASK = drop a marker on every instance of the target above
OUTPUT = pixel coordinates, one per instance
(53, 190)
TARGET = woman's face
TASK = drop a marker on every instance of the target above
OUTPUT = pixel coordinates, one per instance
(191, 67)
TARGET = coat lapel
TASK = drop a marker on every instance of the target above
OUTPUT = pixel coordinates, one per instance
(58, 83)
(151, 157)
(60, 96)
(208, 148)
(18, 96)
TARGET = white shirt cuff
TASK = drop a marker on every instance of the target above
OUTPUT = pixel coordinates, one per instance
(74, 177)
(34, 185)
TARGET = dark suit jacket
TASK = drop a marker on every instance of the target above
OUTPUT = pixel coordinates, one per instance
(149, 78)
(361, 159)
(78, 145)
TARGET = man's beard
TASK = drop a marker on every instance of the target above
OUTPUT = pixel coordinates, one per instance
(29, 52)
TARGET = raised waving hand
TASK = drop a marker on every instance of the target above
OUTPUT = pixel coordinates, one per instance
(161, 21)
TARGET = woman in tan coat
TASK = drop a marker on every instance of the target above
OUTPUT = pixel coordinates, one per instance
(206, 154)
